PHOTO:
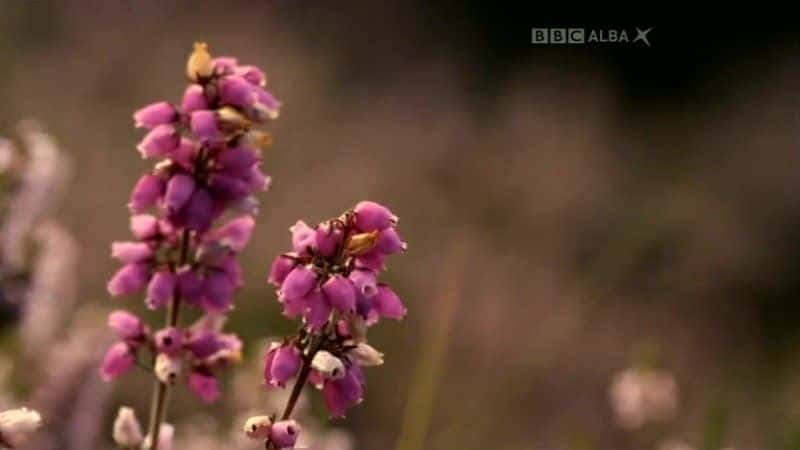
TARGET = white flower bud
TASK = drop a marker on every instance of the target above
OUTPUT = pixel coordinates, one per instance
(328, 365)
(365, 355)
(257, 427)
(17, 424)
(165, 436)
(167, 369)
(127, 431)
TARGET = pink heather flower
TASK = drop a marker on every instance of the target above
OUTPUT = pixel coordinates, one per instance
(155, 114)
(218, 288)
(194, 99)
(388, 304)
(169, 341)
(341, 259)
(200, 211)
(146, 192)
(160, 141)
(252, 74)
(205, 386)
(189, 285)
(374, 261)
(226, 187)
(283, 362)
(203, 343)
(131, 252)
(293, 308)
(185, 155)
(127, 327)
(236, 91)
(389, 242)
(208, 165)
(237, 160)
(316, 309)
(372, 216)
(118, 361)
(180, 188)
(340, 394)
(130, 279)
(364, 282)
(284, 433)
(144, 226)
(235, 234)
(205, 125)
(225, 64)
(161, 289)
(334, 267)
(327, 239)
(298, 283)
(257, 180)
(280, 268)
(303, 237)
(267, 103)
(341, 293)
(232, 267)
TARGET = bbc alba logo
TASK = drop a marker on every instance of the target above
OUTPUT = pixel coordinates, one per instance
(556, 36)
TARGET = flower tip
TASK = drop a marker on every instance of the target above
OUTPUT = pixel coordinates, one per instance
(284, 433)
(362, 243)
(127, 430)
(199, 66)
(258, 427)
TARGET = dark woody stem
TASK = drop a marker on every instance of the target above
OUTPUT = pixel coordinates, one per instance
(302, 378)
(158, 406)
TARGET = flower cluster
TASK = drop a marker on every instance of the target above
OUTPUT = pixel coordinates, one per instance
(330, 280)
(207, 154)
(198, 351)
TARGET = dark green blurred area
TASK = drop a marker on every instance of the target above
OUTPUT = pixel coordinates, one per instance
(611, 199)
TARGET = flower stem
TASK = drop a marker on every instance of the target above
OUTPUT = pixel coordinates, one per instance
(302, 378)
(158, 406)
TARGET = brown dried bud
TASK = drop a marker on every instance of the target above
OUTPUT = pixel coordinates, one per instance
(359, 244)
(232, 120)
(199, 66)
(257, 139)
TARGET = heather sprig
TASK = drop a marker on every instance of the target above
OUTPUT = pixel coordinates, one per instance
(207, 155)
(330, 281)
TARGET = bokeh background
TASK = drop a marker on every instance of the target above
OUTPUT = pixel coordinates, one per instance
(572, 212)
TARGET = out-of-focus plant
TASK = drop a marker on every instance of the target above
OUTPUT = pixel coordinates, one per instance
(31, 185)
(329, 280)
(208, 165)
(644, 394)
(429, 370)
(641, 395)
(39, 282)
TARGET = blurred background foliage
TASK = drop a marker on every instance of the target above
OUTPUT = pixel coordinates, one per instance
(604, 202)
